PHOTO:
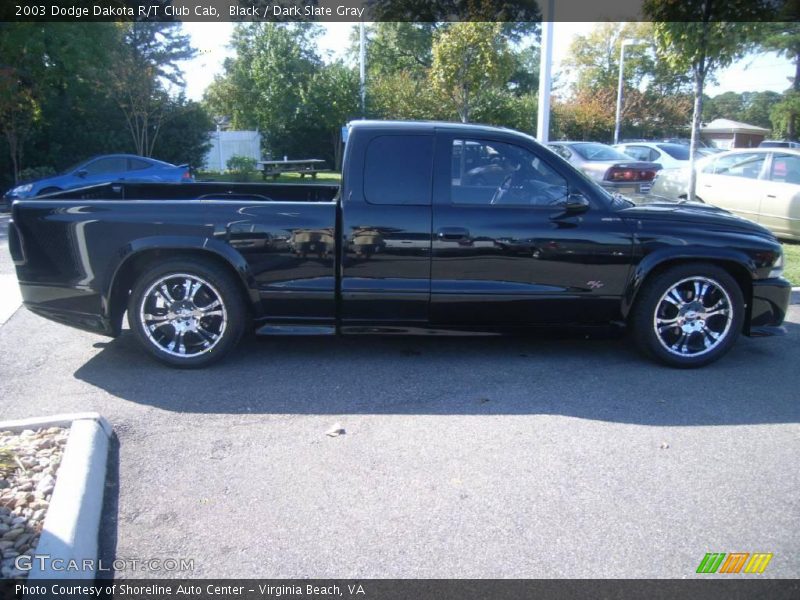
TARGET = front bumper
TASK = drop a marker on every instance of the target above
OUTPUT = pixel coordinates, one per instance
(769, 306)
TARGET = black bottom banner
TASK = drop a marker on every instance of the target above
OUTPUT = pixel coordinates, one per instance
(397, 589)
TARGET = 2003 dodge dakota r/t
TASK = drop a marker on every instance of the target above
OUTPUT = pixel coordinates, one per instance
(436, 228)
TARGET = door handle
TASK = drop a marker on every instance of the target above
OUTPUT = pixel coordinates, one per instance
(771, 196)
(452, 233)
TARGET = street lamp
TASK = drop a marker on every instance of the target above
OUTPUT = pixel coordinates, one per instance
(619, 85)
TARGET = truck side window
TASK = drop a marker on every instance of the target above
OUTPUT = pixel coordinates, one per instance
(398, 169)
(496, 173)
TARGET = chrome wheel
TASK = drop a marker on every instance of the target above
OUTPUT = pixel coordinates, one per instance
(183, 315)
(693, 317)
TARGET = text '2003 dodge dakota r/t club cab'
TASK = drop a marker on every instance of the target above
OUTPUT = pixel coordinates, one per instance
(436, 228)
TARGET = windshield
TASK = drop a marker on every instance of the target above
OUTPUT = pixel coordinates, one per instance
(592, 151)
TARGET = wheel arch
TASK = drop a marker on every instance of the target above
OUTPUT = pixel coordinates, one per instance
(737, 266)
(141, 254)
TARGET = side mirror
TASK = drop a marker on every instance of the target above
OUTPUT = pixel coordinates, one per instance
(576, 203)
(82, 173)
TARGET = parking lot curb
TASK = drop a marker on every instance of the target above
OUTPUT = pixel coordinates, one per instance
(72, 524)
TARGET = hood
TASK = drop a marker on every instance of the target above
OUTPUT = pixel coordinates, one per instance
(653, 207)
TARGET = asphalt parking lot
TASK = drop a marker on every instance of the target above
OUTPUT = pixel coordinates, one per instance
(483, 457)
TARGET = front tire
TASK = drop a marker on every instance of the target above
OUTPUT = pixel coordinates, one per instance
(689, 315)
(187, 313)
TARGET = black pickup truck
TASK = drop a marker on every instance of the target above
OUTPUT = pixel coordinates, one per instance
(436, 228)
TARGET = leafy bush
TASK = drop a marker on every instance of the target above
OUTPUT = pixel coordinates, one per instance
(241, 167)
(34, 173)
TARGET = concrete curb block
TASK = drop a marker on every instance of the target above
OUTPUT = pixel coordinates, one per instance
(72, 524)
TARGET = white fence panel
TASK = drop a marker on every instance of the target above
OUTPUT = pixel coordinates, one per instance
(225, 144)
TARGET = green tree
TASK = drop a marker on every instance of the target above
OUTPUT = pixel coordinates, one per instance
(53, 81)
(395, 47)
(264, 84)
(747, 107)
(468, 58)
(146, 65)
(586, 115)
(185, 133)
(233, 94)
(498, 106)
(331, 100)
(401, 95)
(728, 105)
(783, 114)
(784, 38)
(699, 37)
(758, 106)
(653, 94)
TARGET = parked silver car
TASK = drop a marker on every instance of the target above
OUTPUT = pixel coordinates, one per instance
(609, 167)
(761, 184)
(669, 156)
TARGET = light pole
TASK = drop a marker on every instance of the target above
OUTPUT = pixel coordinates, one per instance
(619, 86)
(362, 72)
(545, 72)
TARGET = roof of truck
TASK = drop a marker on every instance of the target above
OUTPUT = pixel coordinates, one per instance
(431, 125)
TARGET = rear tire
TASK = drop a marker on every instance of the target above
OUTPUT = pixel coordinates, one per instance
(187, 313)
(689, 315)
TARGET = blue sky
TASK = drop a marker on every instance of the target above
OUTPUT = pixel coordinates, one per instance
(761, 72)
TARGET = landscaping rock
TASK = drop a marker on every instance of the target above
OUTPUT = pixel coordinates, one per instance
(25, 492)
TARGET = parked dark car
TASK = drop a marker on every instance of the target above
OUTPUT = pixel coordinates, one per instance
(405, 246)
(609, 167)
(102, 169)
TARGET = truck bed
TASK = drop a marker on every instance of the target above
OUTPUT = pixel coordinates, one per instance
(72, 249)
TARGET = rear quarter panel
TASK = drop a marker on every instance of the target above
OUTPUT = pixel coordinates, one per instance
(72, 251)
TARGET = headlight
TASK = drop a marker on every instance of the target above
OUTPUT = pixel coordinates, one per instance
(21, 189)
(777, 267)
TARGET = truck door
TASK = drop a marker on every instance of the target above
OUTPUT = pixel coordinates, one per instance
(386, 226)
(506, 252)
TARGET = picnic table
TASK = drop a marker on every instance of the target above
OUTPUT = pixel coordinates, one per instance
(306, 166)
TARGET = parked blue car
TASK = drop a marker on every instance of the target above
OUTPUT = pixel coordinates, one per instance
(102, 169)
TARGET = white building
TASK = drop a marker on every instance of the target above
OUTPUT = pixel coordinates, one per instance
(225, 144)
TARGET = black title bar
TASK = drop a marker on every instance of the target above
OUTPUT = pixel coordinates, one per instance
(386, 10)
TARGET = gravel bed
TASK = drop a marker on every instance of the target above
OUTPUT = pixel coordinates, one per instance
(25, 490)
